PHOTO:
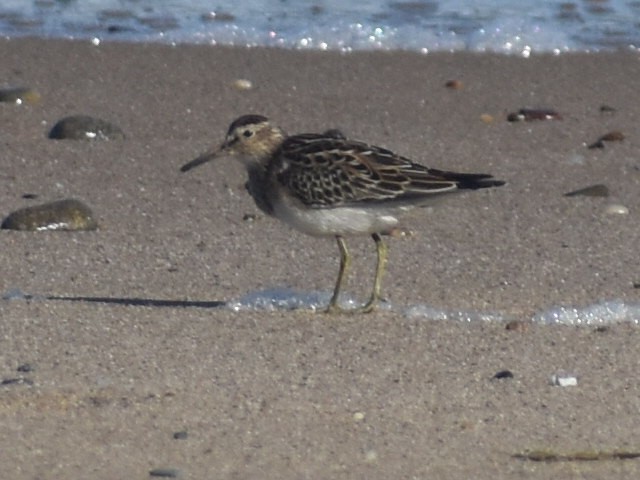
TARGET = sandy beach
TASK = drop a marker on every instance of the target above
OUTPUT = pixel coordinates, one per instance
(97, 385)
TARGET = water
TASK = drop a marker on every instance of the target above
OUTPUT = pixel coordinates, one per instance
(508, 26)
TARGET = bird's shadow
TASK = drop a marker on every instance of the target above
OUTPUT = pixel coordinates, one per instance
(277, 298)
(138, 302)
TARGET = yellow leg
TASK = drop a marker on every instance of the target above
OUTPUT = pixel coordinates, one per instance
(345, 260)
(377, 282)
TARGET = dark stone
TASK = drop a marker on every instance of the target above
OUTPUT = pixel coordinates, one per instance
(165, 472)
(503, 374)
(84, 127)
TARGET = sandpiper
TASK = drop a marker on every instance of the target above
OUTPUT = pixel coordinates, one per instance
(328, 185)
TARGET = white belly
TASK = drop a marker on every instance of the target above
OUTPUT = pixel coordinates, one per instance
(334, 221)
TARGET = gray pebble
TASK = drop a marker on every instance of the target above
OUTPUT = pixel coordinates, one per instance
(165, 472)
(84, 127)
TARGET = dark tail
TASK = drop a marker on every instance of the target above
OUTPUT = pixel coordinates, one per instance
(471, 181)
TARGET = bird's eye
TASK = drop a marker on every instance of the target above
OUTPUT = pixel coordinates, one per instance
(247, 133)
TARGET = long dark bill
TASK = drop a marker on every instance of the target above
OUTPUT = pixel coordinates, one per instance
(205, 157)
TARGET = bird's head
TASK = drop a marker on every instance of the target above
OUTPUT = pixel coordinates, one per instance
(250, 137)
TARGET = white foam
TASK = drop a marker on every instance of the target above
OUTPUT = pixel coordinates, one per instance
(279, 298)
(602, 313)
(430, 313)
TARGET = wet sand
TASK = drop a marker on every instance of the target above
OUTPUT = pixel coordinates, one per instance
(295, 394)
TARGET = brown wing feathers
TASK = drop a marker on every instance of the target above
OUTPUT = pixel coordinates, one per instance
(329, 171)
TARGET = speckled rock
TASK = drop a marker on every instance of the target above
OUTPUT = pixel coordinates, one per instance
(68, 214)
(84, 127)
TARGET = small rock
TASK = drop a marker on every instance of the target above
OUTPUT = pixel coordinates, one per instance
(614, 136)
(616, 209)
(530, 114)
(358, 416)
(181, 435)
(242, 84)
(19, 95)
(454, 85)
(607, 109)
(597, 190)
(503, 374)
(563, 380)
(165, 472)
(68, 214)
(84, 127)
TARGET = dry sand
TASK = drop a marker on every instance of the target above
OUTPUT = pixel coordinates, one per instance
(297, 394)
